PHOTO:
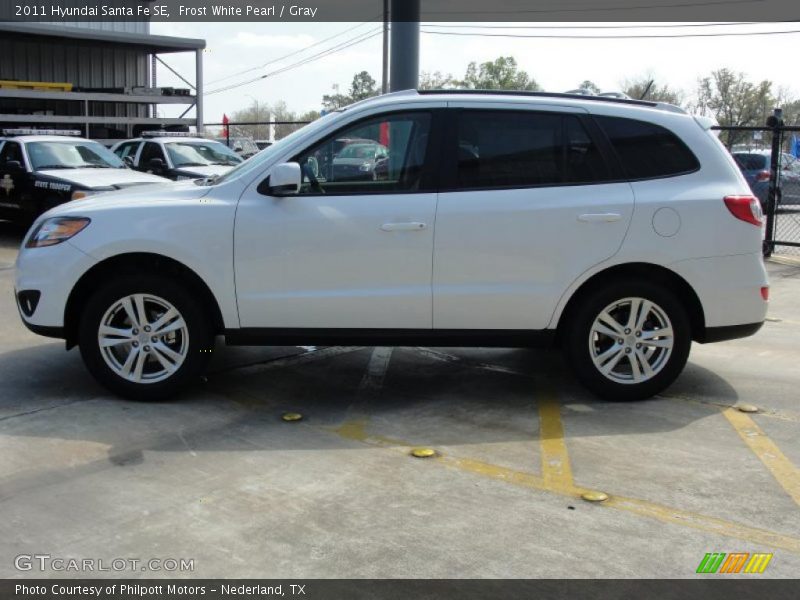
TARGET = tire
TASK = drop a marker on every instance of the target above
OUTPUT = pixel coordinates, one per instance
(589, 347)
(159, 369)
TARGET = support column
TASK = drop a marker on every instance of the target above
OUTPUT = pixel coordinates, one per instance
(404, 53)
(198, 84)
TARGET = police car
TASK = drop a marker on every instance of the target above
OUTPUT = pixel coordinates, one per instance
(40, 169)
(177, 155)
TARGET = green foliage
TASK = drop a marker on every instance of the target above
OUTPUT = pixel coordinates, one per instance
(500, 74)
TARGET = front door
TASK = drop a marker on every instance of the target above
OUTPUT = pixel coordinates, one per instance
(354, 248)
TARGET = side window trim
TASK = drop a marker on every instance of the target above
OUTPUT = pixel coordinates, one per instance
(429, 174)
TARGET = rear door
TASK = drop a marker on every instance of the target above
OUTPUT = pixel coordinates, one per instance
(530, 202)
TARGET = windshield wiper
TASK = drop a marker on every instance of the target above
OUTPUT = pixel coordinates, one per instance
(43, 167)
(93, 166)
(194, 164)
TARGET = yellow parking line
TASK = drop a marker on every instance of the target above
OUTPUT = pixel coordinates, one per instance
(357, 431)
(765, 449)
(556, 470)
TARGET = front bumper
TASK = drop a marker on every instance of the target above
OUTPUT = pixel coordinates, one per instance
(53, 272)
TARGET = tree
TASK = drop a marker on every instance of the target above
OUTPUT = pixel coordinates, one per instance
(362, 87)
(263, 111)
(646, 88)
(590, 86)
(500, 74)
(734, 101)
(436, 81)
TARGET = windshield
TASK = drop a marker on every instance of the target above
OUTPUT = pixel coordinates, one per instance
(358, 151)
(70, 154)
(197, 154)
(258, 161)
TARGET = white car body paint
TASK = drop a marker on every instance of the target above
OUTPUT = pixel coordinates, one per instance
(498, 259)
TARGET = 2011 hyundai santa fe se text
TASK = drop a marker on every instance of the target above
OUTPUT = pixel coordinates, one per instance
(618, 230)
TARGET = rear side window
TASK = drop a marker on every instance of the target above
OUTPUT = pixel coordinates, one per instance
(503, 149)
(647, 151)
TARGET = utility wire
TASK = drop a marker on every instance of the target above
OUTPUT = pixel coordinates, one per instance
(343, 46)
(656, 26)
(591, 8)
(296, 52)
(610, 37)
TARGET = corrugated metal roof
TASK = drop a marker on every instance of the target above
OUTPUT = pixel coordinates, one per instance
(152, 44)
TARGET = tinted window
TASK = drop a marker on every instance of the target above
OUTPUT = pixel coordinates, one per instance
(647, 151)
(521, 149)
(11, 151)
(150, 151)
(751, 162)
(383, 154)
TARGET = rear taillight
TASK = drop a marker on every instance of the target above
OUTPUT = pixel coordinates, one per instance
(765, 293)
(762, 176)
(745, 208)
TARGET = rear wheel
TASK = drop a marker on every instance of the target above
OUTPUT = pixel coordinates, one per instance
(144, 338)
(628, 340)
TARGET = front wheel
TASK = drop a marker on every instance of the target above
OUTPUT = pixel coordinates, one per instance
(628, 340)
(144, 338)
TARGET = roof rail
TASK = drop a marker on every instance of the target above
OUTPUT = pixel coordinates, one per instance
(548, 95)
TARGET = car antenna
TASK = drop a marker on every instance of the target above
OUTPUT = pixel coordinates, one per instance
(647, 89)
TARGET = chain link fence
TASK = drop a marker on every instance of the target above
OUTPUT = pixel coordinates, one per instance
(773, 172)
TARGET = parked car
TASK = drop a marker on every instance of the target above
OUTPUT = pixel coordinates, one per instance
(40, 169)
(358, 161)
(506, 219)
(177, 156)
(755, 166)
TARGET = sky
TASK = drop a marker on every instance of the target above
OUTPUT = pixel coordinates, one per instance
(556, 64)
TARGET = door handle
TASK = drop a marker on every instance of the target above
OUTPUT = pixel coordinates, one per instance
(600, 217)
(410, 226)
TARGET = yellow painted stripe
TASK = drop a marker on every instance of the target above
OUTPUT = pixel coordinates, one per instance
(784, 472)
(556, 470)
(357, 431)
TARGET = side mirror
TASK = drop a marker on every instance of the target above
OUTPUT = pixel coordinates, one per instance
(14, 166)
(284, 180)
(156, 165)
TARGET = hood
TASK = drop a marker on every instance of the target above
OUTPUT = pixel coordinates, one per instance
(145, 196)
(353, 161)
(102, 177)
(208, 171)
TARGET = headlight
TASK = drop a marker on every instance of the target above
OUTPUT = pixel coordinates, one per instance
(56, 230)
(78, 194)
(365, 167)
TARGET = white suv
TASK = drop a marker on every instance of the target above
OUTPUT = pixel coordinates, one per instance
(620, 230)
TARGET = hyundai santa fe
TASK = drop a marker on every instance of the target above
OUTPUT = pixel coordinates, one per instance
(617, 230)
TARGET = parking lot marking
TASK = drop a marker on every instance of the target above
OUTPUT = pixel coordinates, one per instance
(556, 470)
(356, 430)
(784, 472)
(376, 369)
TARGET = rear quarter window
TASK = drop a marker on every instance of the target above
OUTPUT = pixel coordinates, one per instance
(646, 150)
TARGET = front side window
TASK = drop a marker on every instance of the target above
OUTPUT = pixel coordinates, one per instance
(506, 149)
(383, 154)
(201, 154)
(150, 151)
(72, 155)
(646, 150)
(11, 151)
